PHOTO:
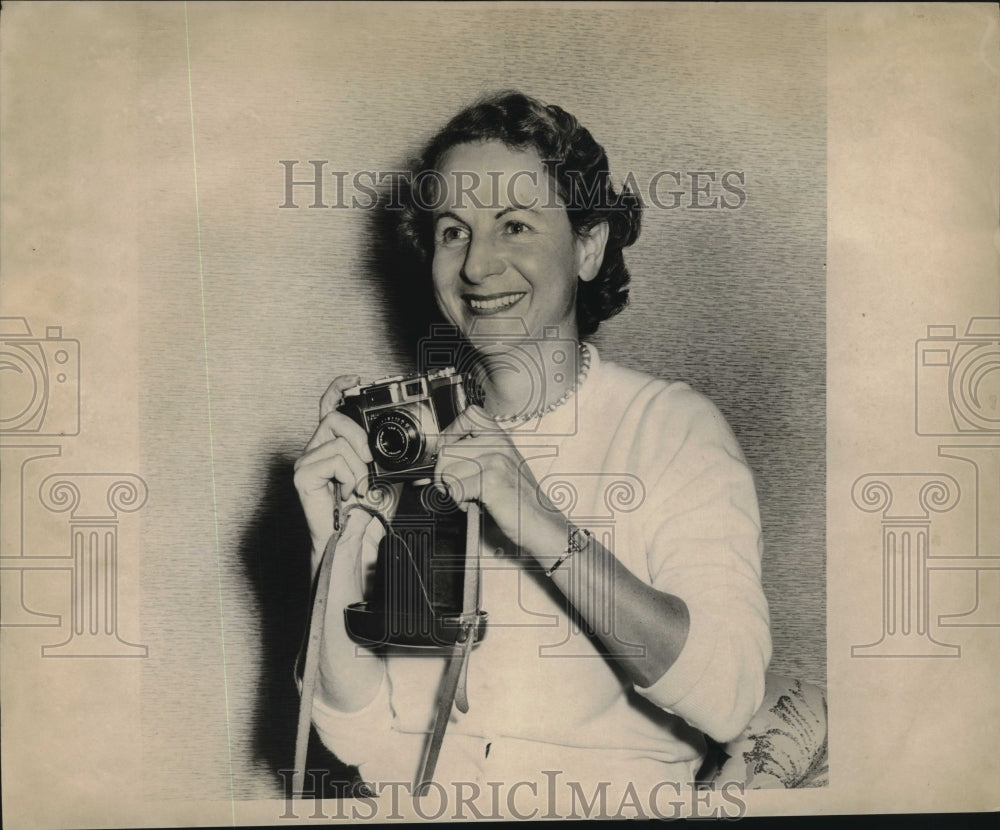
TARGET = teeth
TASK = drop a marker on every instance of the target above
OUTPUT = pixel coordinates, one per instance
(497, 302)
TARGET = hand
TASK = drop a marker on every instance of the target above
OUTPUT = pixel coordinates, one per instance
(477, 461)
(337, 456)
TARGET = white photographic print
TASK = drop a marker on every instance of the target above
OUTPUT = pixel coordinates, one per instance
(448, 412)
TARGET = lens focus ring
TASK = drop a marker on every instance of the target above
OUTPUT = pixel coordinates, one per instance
(396, 440)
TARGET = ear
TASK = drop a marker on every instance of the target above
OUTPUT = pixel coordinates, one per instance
(590, 251)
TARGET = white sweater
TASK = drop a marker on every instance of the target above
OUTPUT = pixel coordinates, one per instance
(653, 470)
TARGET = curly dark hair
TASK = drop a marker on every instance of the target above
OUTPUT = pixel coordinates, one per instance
(578, 166)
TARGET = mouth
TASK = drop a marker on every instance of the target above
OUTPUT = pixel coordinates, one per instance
(493, 304)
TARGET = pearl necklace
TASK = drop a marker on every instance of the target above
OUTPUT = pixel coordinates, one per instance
(581, 376)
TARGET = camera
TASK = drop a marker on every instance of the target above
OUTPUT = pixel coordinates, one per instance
(415, 594)
(958, 379)
(41, 381)
(403, 417)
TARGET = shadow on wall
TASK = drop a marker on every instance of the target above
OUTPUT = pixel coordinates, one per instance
(274, 549)
(275, 554)
(402, 281)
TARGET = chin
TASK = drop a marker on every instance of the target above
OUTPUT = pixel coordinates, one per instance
(497, 328)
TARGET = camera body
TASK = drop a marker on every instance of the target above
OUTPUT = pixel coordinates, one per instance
(42, 387)
(958, 379)
(415, 593)
(403, 417)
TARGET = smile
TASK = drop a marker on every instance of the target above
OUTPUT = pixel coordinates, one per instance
(494, 304)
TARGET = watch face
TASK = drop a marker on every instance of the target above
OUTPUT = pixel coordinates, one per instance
(579, 538)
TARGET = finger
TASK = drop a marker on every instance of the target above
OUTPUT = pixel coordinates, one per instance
(466, 456)
(358, 479)
(476, 447)
(334, 393)
(358, 467)
(458, 468)
(496, 469)
(338, 425)
(472, 442)
(462, 488)
(474, 420)
(313, 475)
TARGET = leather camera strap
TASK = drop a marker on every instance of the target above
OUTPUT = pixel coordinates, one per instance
(453, 688)
(310, 670)
(449, 688)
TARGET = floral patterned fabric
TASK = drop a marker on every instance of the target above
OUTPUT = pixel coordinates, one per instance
(785, 744)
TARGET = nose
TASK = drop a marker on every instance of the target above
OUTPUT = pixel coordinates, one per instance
(481, 260)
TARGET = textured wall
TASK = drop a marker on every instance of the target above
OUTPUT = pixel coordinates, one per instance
(731, 300)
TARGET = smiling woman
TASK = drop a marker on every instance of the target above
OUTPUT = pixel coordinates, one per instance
(522, 261)
(621, 564)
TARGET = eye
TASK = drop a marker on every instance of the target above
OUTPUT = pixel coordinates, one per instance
(451, 234)
(515, 228)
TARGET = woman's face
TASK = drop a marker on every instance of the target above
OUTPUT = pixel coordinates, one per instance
(503, 244)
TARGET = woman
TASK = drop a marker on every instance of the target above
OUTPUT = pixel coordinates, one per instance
(612, 649)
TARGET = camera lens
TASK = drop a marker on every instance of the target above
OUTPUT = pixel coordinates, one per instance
(396, 440)
(392, 441)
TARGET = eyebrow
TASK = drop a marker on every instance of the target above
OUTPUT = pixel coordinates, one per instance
(516, 207)
(447, 214)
